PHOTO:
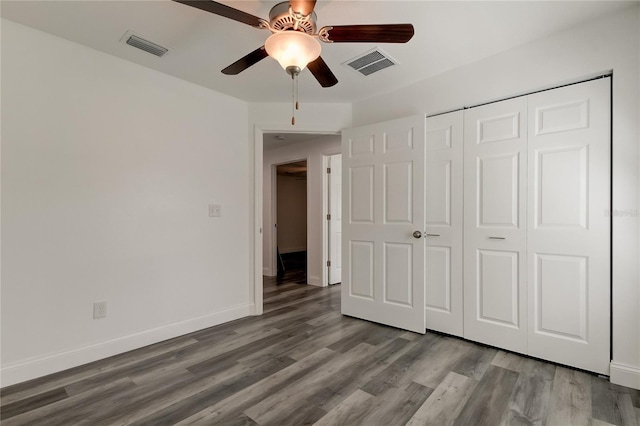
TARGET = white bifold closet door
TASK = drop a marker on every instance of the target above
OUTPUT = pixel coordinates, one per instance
(443, 223)
(537, 228)
(495, 224)
(383, 205)
(569, 225)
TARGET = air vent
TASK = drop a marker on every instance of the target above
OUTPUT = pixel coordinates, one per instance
(142, 44)
(370, 62)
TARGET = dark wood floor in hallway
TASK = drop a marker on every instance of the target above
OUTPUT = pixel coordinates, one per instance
(302, 362)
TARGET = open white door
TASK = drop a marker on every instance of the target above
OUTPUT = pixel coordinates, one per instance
(383, 205)
(335, 219)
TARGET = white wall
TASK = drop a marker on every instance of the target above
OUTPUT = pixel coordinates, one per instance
(313, 151)
(610, 43)
(292, 213)
(107, 171)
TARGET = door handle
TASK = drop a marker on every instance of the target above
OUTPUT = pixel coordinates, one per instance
(417, 234)
(433, 235)
(497, 238)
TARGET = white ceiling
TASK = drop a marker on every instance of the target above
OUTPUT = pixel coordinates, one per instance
(448, 34)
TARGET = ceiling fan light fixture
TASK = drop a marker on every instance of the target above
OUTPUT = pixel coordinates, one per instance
(293, 48)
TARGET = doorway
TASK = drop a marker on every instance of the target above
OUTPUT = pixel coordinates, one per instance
(291, 219)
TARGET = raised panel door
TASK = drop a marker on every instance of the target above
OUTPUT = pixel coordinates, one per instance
(383, 204)
(443, 223)
(568, 226)
(495, 287)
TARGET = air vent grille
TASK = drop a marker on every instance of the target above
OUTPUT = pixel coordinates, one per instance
(146, 45)
(370, 62)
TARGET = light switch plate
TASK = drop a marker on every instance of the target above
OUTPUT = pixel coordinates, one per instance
(215, 210)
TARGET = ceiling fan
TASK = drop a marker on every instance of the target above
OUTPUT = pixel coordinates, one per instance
(294, 40)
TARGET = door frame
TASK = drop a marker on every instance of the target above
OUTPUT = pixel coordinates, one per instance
(256, 233)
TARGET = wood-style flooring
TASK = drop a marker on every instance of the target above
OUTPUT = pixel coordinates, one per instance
(302, 362)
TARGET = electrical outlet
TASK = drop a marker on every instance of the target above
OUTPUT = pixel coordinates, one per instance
(99, 310)
(215, 210)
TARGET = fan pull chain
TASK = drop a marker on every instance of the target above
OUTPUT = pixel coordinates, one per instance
(297, 85)
(294, 100)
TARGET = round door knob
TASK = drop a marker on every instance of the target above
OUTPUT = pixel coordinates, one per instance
(417, 234)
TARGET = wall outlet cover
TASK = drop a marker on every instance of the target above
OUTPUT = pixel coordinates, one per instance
(99, 310)
(215, 210)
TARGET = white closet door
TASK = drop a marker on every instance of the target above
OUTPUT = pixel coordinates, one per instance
(569, 227)
(495, 157)
(383, 205)
(443, 223)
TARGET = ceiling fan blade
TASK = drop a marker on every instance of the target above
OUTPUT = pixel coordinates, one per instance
(303, 7)
(322, 73)
(246, 61)
(384, 33)
(223, 10)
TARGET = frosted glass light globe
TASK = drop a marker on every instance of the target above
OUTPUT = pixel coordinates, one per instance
(293, 48)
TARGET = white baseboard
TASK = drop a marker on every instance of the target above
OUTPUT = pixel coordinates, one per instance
(42, 366)
(624, 375)
(315, 281)
(267, 272)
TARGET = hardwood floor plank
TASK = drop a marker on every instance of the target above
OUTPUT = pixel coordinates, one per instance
(627, 410)
(344, 384)
(327, 336)
(189, 389)
(185, 408)
(222, 361)
(440, 355)
(235, 404)
(352, 411)
(530, 399)
(570, 398)
(397, 406)
(115, 406)
(476, 360)
(32, 403)
(279, 405)
(487, 403)
(72, 409)
(596, 422)
(611, 403)
(399, 372)
(445, 403)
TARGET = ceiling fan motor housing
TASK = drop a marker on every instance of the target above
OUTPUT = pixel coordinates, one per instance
(281, 20)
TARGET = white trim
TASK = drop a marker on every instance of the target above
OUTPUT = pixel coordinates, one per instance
(315, 281)
(42, 366)
(625, 375)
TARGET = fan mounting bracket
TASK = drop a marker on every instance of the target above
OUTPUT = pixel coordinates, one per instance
(282, 18)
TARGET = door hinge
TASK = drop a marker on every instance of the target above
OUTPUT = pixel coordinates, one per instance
(329, 216)
(328, 263)
(328, 169)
